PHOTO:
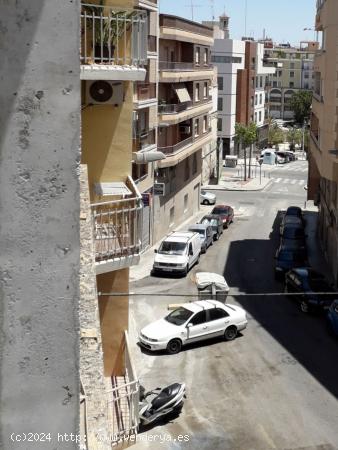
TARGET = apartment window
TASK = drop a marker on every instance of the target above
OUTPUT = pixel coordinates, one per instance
(172, 216)
(274, 84)
(256, 82)
(306, 75)
(292, 65)
(197, 92)
(256, 99)
(197, 55)
(292, 74)
(205, 124)
(196, 127)
(255, 117)
(205, 56)
(220, 83)
(186, 198)
(220, 104)
(306, 86)
(186, 170)
(260, 99)
(261, 81)
(292, 84)
(226, 59)
(260, 116)
(139, 171)
(194, 164)
(205, 89)
(219, 125)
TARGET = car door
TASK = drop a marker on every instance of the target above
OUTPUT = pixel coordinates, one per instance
(197, 328)
(218, 321)
(209, 235)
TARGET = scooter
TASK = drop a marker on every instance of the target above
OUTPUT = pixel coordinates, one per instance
(165, 401)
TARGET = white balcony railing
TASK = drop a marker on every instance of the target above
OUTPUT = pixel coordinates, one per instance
(113, 37)
(123, 399)
(117, 228)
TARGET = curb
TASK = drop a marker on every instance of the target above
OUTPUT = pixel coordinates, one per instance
(224, 188)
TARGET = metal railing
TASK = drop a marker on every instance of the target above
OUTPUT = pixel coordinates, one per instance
(117, 228)
(174, 108)
(145, 139)
(185, 66)
(172, 149)
(114, 37)
(123, 403)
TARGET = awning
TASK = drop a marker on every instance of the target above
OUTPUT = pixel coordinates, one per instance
(182, 93)
(114, 188)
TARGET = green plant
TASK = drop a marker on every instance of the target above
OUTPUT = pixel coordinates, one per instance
(301, 105)
(275, 135)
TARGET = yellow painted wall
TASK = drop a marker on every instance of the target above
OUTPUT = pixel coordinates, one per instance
(113, 319)
(107, 140)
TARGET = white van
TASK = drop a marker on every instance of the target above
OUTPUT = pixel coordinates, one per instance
(178, 252)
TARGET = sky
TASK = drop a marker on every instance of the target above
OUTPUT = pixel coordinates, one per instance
(283, 20)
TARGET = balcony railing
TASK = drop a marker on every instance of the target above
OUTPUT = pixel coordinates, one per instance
(173, 109)
(185, 66)
(144, 139)
(113, 37)
(172, 149)
(123, 403)
(146, 92)
(152, 44)
(117, 228)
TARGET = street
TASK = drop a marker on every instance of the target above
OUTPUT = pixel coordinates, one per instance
(276, 384)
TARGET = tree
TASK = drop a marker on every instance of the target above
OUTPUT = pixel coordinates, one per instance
(246, 136)
(301, 105)
(275, 135)
(294, 136)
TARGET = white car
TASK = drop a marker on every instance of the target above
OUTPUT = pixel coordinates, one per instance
(207, 198)
(192, 322)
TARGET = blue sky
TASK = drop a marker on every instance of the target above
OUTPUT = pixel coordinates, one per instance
(283, 20)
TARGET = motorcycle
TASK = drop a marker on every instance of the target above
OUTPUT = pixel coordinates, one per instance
(165, 401)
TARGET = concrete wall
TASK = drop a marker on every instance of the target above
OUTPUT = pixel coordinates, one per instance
(39, 203)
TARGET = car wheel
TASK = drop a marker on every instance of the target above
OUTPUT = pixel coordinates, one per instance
(174, 346)
(206, 202)
(216, 237)
(186, 270)
(304, 307)
(230, 333)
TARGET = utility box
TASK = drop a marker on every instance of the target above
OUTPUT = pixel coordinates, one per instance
(211, 286)
(230, 160)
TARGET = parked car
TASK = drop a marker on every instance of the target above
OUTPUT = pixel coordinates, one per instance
(192, 322)
(216, 224)
(207, 198)
(294, 221)
(282, 157)
(226, 214)
(205, 233)
(307, 284)
(288, 258)
(332, 318)
(178, 252)
(291, 155)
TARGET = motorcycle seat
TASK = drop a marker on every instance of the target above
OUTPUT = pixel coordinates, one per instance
(167, 394)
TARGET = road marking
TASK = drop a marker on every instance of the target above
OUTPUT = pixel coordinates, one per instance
(277, 180)
(266, 436)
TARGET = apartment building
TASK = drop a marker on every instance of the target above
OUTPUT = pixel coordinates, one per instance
(184, 119)
(145, 124)
(323, 162)
(115, 55)
(294, 72)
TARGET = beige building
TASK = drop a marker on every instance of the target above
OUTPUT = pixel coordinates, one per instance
(184, 120)
(115, 54)
(323, 162)
(293, 72)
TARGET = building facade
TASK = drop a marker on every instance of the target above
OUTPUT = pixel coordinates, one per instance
(184, 120)
(323, 162)
(294, 72)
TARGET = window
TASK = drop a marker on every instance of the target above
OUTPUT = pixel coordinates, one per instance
(306, 75)
(196, 127)
(217, 313)
(194, 164)
(172, 216)
(226, 59)
(260, 116)
(274, 84)
(199, 318)
(139, 171)
(220, 104)
(219, 125)
(186, 170)
(292, 65)
(205, 56)
(292, 74)
(186, 203)
(205, 124)
(255, 117)
(261, 82)
(260, 99)
(256, 99)
(220, 83)
(205, 89)
(197, 92)
(197, 55)
(292, 84)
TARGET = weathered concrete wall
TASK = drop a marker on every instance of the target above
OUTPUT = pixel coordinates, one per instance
(39, 210)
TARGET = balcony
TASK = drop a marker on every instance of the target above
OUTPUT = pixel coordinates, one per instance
(113, 43)
(173, 109)
(175, 72)
(183, 66)
(117, 230)
(123, 399)
(183, 30)
(145, 140)
(145, 94)
(175, 113)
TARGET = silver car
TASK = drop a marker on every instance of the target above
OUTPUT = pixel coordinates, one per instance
(206, 234)
(207, 198)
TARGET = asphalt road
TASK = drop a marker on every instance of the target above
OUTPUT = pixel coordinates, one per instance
(276, 385)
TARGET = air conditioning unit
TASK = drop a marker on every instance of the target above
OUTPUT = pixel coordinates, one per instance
(102, 92)
(185, 129)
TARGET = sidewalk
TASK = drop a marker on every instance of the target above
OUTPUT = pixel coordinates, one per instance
(231, 182)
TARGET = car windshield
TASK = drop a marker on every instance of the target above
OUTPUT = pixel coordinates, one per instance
(220, 210)
(172, 248)
(179, 316)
